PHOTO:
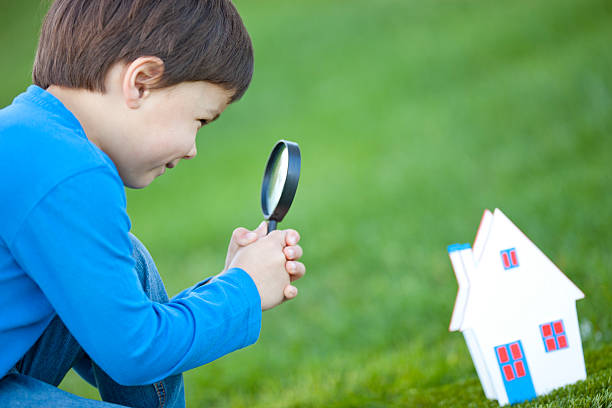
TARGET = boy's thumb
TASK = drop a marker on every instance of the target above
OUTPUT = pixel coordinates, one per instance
(249, 237)
(262, 229)
(243, 236)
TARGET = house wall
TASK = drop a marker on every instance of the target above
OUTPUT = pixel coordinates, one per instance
(548, 370)
(557, 368)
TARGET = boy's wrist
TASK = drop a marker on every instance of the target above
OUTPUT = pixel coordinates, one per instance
(243, 280)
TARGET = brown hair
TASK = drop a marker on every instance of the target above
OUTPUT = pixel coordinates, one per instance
(198, 40)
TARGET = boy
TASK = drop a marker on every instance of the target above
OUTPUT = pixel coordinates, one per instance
(121, 89)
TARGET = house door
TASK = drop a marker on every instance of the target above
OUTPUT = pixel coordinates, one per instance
(515, 372)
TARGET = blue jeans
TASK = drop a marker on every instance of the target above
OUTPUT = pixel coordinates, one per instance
(33, 381)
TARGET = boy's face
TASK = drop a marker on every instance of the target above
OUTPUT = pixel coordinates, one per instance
(162, 129)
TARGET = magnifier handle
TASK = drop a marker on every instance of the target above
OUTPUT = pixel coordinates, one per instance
(271, 226)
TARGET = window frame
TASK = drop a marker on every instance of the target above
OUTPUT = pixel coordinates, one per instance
(554, 339)
(509, 258)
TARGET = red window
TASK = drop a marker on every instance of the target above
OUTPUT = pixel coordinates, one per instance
(513, 257)
(508, 372)
(506, 260)
(502, 353)
(516, 351)
(509, 258)
(562, 341)
(519, 368)
(554, 336)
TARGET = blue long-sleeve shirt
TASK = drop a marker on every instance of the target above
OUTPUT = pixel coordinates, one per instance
(65, 249)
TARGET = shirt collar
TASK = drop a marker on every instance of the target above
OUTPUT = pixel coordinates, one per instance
(49, 102)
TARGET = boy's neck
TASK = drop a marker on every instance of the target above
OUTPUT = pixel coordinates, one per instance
(84, 105)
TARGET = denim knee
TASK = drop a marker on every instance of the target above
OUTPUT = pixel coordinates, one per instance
(150, 280)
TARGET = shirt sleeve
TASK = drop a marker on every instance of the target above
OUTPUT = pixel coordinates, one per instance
(74, 244)
(187, 292)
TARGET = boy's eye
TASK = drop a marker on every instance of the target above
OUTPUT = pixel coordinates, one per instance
(203, 122)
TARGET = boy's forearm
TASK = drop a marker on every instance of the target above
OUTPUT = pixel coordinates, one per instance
(187, 291)
(212, 321)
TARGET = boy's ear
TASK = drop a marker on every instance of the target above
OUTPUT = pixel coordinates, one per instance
(139, 77)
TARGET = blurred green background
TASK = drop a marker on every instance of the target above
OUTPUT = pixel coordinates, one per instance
(413, 117)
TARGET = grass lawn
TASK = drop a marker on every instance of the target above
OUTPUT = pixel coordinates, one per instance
(413, 117)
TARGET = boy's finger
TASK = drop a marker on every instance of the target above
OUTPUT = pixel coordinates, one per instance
(278, 236)
(290, 292)
(295, 270)
(293, 252)
(292, 237)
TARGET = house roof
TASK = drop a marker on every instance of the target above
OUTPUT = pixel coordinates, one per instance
(489, 291)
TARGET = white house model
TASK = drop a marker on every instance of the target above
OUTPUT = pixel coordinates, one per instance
(517, 312)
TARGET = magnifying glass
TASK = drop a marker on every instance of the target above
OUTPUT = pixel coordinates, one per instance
(280, 182)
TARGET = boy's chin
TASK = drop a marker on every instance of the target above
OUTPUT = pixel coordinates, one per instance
(140, 182)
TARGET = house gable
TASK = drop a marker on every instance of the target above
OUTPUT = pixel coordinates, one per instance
(495, 292)
(535, 270)
(483, 233)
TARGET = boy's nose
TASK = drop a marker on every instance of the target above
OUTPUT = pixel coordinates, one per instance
(192, 153)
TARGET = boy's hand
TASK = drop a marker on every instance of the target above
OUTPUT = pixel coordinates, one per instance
(242, 237)
(272, 265)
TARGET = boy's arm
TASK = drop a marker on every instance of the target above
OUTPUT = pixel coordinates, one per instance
(74, 244)
(187, 292)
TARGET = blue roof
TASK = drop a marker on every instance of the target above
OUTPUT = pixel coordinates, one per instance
(458, 247)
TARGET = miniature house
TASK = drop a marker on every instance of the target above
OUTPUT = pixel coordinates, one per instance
(517, 312)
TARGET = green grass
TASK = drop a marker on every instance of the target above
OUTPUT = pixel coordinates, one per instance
(412, 118)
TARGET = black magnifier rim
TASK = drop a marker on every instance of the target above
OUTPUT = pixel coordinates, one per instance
(291, 181)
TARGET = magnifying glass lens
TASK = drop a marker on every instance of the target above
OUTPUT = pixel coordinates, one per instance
(278, 178)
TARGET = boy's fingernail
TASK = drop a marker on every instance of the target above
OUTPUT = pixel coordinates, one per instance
(250, 236)
(291, 266)
(292, 239)
(290, 252)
